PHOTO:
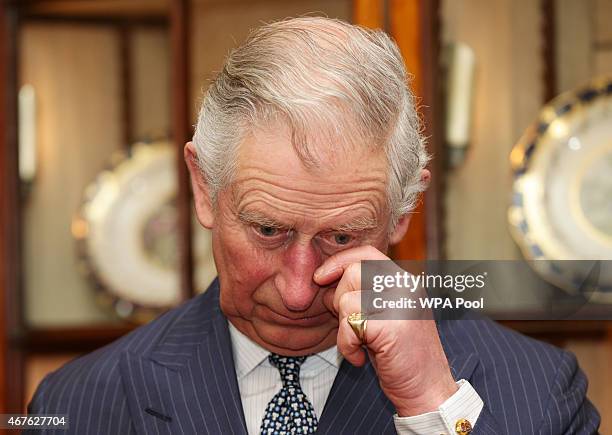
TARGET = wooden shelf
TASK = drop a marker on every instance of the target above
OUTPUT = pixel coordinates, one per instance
(98, 8)
(69, 339)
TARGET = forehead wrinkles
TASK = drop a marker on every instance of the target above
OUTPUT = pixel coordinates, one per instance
(310, 199)
(308, 190)
(307, 209)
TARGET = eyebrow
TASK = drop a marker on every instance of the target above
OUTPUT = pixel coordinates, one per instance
(255, 218)
(360, 224)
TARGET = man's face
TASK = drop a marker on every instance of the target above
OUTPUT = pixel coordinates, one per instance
(277, 223)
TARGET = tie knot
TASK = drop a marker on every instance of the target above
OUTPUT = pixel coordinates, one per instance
(289, 368)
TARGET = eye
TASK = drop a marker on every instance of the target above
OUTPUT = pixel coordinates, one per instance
(342, 239)
(267, 231)
(335, 241)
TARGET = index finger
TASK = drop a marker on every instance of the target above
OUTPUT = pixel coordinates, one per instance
(333, 268)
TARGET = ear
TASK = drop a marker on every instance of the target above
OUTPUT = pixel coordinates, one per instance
(400, 229)
(404, 221)
(201, 194)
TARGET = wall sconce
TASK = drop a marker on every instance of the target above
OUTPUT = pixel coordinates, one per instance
(27, 134)
(459, 96)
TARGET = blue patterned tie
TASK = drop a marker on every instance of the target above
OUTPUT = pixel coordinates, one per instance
(289, 411)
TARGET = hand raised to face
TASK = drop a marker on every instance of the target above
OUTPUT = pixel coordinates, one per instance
(407, 354)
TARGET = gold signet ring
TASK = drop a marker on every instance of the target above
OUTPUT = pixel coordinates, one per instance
(358, 324)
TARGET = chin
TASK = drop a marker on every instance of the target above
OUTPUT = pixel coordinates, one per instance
(292, 341)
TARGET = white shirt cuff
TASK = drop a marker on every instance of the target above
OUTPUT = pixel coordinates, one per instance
(464, 404)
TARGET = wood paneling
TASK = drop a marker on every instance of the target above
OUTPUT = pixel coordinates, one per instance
(408, 30)
(4, 203)
(181, 133)
(11, 374)
(413, 25)
(102, 8)
(603, 63)
(574, 41)
(65, 339)
(369, 13)
(549, 51)
(433, 111)
(150, 82)
(602, 16)
(125, 77)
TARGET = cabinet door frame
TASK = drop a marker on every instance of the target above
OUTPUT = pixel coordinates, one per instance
(414, 24)
(11, 285)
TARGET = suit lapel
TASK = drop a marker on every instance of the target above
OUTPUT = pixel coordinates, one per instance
(187, 383)
(356, 404)
(462, 365)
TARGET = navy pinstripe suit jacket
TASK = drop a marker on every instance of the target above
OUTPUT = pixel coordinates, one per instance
(176, 375)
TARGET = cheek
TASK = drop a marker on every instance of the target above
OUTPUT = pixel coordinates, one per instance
(242, 269)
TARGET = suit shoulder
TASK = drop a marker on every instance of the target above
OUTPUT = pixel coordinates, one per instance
(493, 342)
(517, 377)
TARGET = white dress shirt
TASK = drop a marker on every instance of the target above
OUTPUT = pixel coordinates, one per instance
(259, 381)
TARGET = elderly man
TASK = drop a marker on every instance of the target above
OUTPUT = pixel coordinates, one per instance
(307, 159)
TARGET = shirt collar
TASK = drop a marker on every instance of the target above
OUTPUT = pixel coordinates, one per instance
(248, 354)
(331, 356)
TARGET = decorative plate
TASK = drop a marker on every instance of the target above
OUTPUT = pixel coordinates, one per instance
(127, 234)
(562, 191)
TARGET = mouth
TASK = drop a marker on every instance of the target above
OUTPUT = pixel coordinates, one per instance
(298, 320)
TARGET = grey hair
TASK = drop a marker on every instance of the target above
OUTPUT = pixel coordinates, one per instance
(332, 83)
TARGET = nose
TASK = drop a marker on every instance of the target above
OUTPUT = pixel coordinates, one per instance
(294, 283)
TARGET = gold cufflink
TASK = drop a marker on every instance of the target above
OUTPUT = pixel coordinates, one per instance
(463, 427)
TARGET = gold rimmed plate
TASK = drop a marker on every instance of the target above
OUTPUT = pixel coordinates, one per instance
(127, 234)
(562, 190)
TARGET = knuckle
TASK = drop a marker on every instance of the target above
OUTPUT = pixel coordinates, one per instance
(344, 299)
(354, 270)
(342, 342)
(371, 250)
(373, 254)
